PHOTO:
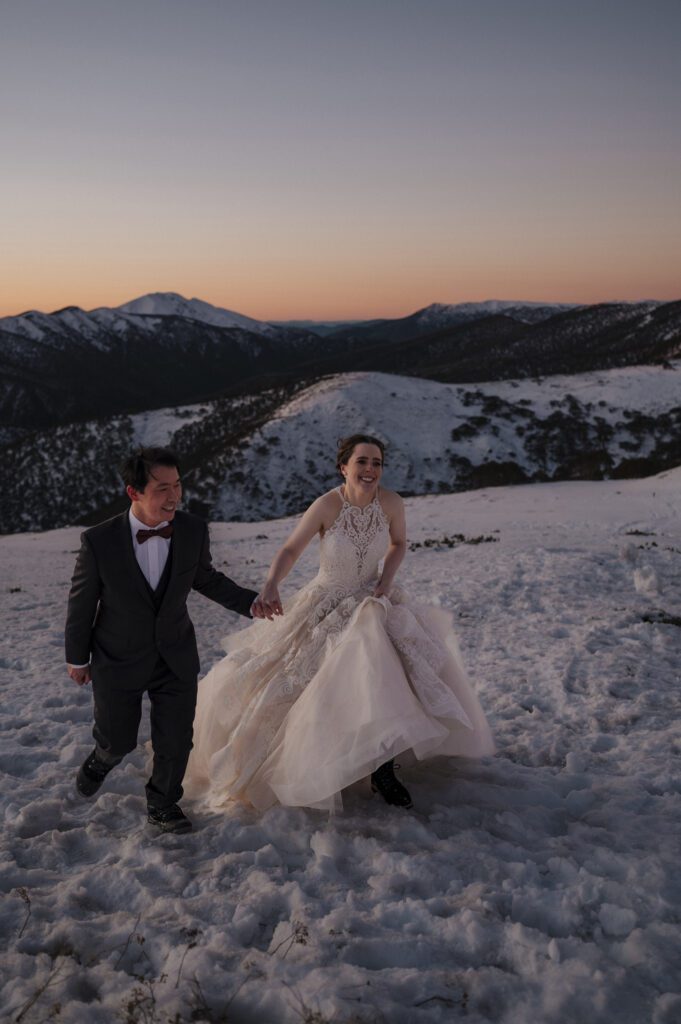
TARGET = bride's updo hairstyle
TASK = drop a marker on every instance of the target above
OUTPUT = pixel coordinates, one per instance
(347, 445)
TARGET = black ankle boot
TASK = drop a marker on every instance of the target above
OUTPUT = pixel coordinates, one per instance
(383, 781)
(169, 819)
(91, 774)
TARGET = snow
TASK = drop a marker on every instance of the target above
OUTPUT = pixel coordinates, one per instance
(72, 324)
(22, 327)
(541, 884)
(143, 314)
(272, 471)
(157, 426)
(33, 325)
(439, 314)
(172, 304)
(650, 389)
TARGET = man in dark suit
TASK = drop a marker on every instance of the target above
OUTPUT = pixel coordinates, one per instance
(128, 630)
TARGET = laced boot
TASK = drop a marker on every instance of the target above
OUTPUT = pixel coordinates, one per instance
(383, 781)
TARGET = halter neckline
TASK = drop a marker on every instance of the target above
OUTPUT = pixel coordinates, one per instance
(360, 508)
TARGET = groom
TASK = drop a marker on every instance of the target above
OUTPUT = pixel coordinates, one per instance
(128, 630)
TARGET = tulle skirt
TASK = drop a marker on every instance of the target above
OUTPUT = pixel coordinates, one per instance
(308, 704)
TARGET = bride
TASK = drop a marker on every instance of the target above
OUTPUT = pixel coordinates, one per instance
(351, 675)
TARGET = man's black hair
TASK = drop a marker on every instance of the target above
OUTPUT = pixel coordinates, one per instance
(136, 469)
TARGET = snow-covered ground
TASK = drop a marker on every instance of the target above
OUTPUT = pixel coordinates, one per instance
(540, 885)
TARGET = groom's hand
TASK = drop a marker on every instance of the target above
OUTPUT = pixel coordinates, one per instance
(79, 675)
(267, 604)
(261, 609)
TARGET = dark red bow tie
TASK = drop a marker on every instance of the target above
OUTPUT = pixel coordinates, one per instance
(164, 531)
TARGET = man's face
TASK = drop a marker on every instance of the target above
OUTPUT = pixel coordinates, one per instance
(158, 501)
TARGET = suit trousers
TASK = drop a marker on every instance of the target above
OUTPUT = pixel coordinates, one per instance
(118, 710)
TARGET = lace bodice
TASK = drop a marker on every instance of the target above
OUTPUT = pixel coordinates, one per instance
(352, 547)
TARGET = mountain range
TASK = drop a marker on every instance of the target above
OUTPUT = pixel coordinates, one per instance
(508, 393)
(163, 349)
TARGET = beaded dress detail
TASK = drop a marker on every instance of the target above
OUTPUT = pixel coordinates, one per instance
(305, 705)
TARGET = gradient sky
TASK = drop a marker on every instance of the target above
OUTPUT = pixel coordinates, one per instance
(339, 158)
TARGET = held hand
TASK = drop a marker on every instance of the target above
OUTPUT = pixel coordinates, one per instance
(268, 603)
(381, 590)
(79, 675)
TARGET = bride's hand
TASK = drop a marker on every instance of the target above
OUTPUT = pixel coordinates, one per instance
(268, 603)
(380, 590)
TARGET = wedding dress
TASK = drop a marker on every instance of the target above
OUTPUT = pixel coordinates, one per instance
(315, 700)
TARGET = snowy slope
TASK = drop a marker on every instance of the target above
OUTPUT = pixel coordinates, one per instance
(75, 326)
(39, 471)
(541, 885)
(157, 426)
(263, 456)
(444, 437)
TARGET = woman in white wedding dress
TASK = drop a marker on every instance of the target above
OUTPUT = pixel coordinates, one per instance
(350, 676)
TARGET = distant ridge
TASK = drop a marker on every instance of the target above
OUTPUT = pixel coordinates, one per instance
(73, 364)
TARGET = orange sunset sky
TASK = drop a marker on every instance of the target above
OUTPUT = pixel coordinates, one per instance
(328, 160)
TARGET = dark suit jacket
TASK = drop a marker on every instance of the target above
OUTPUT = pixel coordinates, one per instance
(112, 617)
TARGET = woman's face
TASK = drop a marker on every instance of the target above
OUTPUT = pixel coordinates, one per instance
(363, 469)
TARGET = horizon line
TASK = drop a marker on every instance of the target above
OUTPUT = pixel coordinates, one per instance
(337, 319)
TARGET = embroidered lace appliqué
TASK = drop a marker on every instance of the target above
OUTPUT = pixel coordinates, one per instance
(353, 546)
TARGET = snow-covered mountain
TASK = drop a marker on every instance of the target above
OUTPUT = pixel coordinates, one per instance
(71, 364)
(439, 315)
(156, 305)
(269, 454)
(498, 347)
(162, 304)
(163, 349)
(71, 325)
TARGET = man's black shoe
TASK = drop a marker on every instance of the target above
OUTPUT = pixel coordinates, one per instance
(91, 774)
(383, 781)
(169, 819)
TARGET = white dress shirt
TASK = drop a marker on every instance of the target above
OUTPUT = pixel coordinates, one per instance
(153, 554)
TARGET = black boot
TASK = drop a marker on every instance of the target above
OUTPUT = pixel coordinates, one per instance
(169, 819)
(91, 774)
(383, 781)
